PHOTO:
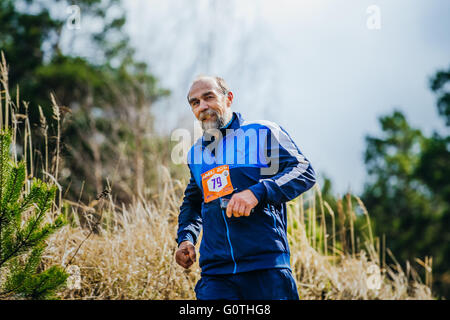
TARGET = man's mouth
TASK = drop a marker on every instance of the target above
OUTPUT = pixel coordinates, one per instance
(207, 117)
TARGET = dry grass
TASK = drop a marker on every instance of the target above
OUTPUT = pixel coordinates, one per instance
(131, 256)
(340, 275)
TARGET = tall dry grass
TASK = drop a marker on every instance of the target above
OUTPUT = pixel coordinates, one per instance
(127, 251)
(131, 256)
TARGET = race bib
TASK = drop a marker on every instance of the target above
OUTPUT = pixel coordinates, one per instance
(216, 183)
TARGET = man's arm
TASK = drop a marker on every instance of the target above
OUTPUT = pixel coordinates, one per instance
(189, 219)
(294, 176)
(189, 224)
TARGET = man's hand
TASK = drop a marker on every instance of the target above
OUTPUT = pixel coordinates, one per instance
(241, 204)
(185, 255)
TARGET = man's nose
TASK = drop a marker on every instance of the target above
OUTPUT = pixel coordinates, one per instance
(203, 106)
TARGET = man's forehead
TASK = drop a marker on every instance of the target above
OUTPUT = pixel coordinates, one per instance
(201, 86)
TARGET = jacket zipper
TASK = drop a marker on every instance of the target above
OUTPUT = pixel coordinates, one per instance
(229, 241)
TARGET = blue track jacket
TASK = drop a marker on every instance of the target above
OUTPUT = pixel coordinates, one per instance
(263, 158)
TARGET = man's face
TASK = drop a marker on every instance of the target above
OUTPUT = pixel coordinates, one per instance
(209, 105)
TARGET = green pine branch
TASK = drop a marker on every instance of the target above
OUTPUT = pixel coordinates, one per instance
(22, 241)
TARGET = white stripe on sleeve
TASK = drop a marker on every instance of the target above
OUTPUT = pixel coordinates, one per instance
(284, 140)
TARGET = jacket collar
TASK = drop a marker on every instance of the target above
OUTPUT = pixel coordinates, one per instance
(235, 122)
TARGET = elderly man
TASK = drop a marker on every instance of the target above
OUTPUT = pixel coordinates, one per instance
(242, 175)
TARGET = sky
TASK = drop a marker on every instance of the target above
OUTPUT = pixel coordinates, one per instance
(324, 70)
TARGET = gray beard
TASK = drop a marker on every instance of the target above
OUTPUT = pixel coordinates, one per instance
(218, 123)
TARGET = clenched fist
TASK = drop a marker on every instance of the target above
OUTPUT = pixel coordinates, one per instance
(185, 255)
(241, 204)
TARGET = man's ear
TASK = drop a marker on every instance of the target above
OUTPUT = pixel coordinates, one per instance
(230, 97)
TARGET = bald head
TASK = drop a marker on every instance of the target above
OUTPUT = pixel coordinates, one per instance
(219, 83)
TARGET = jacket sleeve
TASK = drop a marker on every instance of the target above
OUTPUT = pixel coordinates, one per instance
(190, 219)
(292, 174)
